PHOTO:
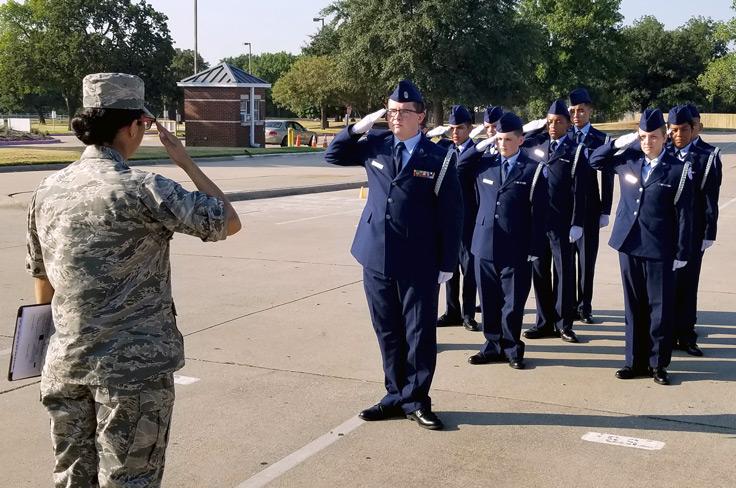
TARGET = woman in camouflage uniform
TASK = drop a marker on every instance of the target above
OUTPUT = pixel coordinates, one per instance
(98, 248)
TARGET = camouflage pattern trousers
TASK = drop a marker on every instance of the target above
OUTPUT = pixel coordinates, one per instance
(109, 436)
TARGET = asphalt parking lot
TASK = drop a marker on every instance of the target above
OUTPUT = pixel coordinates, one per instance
(281, 357)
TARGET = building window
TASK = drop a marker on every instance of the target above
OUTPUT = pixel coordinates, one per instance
(259, 108)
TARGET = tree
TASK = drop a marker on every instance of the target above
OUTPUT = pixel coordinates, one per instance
(311, 82)
(48, 46)
(468, 51)
(182, 66)
(576, 46)
(719, 78)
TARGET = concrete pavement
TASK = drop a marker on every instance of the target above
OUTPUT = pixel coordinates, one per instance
(278, 335)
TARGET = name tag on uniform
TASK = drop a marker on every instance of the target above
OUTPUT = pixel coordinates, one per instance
(423, 174)
(665, 185)
(539, 153)
(487, 181)
(631, 179)
(520, 182)
(376, 164)
(564, 160)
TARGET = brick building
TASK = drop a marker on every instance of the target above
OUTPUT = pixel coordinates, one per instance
(224, 106)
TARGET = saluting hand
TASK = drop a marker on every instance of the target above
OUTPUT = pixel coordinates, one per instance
(626, 140)
(365, 124)
(534, 125)
(477, 131)
(173, 145)
(482, 145)
(440, 130)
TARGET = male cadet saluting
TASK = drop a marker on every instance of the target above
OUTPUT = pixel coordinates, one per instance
(597, 204)
(490, 117)
(698, 128)
(652, 236)
(567, 172)
(460, 125)
(706, 169)
(408, 241)
(509, 232)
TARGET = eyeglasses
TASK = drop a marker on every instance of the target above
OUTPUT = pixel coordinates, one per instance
(147, 122)
(394, 113)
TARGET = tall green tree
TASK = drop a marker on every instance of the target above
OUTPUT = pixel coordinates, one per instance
(182, 66)
(48, 46)
(469, 51)
(578, 42)
(718, 81)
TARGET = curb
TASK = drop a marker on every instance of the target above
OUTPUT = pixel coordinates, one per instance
(29, 143)
(239, 196)
(9, 168)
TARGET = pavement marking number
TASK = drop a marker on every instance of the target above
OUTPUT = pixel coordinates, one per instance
(297, 457)
(184, 380)
(619, 440)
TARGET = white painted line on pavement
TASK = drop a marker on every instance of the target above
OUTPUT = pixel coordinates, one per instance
(317, 217)
(619, 440)
(184, 380)
(297, 457)
(5, 352)
(721, 207)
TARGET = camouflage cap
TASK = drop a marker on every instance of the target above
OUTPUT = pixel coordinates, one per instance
(114, 90)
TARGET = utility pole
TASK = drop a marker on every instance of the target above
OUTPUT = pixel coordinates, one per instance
(249, 55)
(195, 37)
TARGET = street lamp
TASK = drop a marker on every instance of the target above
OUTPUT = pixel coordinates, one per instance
(249, 54)
(317, 19)
(195, 37)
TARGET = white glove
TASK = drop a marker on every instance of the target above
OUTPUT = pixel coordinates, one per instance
(534, 125)
(604, 220)
(482, 145)
(625, 140)
(365, 124)
(531, 259)
(440, 130)
(576, 232)
(706, 245)
(444, 276)
(678, 264)
(477, 131)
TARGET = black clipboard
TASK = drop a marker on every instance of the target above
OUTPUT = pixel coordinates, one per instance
(34, 326)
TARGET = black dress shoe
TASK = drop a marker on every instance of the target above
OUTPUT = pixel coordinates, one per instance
(586, 318)
(517, 363)
(535, 333)
(481, 358)
(569, 336)
(692, 349)
(626, 373)
(448, 321)
(380, 412)
(426, 419)
(471, 325)
(660, 376)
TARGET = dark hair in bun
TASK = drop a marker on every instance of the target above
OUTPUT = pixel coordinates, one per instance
(98, 126)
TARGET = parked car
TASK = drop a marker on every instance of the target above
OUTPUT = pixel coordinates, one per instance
(277, 132)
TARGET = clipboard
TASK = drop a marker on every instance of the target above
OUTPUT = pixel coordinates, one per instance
(34, 326)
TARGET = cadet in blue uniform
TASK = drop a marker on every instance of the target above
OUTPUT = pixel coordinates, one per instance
(652, 235)
(706, 169)
(597, 206)
(408, 241)
(461, 123)
(509, 232)
(698, 128)
(491, 116)
(567, 172)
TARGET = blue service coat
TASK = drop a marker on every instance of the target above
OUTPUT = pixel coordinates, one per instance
(405, 229)
(598, 200)
(649, 222)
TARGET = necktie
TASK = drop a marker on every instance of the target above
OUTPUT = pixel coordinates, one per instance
(398, 150)
(645, 171)
(505, 170)
(579, 137)
(681, 155)
(553, 146)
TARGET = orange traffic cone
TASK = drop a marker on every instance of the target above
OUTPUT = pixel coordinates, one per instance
(298, 140)
(314, 141)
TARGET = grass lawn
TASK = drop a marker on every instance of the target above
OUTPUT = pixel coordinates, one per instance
(24, 155)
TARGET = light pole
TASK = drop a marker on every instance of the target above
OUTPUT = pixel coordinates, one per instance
(317, 19)
(195, 37)
(249, 54)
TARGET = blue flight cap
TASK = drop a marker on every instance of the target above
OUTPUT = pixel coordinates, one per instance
(651, 120)
(492, 114)
(559, 107)
(693, 110)
(578, 96)
(680, 115)
(509, 122)
(406, 92)
(459, 115)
